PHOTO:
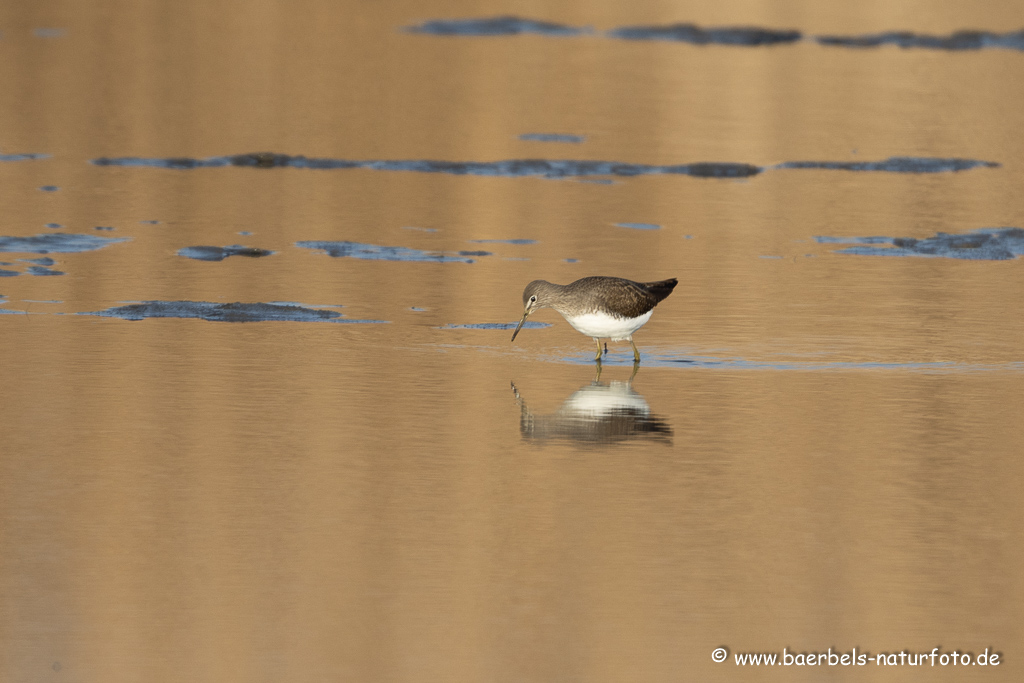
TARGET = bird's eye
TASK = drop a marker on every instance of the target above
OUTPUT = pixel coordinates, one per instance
(533, 299)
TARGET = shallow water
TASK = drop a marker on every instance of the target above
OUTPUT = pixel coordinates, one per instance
(201, 481)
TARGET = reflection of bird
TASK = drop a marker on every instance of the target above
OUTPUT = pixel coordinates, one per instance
(595, 414)
(599, 307)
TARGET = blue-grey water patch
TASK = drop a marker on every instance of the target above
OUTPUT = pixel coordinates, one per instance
(376, 252)
(50, 32)
(465, 252)
(553, 168)
(494, 26)
(552, 137)
(41, 261)
(244, 233)
(960, 40)
(531, 325)
(684, 360)
(894, 165)
(741, 36)
(149, 222)
(8, 273)
(43, 270)
(205, 253)
(233, 312)
(49, 188)
(639, 226)
(571, 260)
(689, 33)
(106, 228)
(412, 227)
(57, 242)
(55, 226)
(417, 309)
(986, 244)
(22, 157)
(512, 241)
(547, 168)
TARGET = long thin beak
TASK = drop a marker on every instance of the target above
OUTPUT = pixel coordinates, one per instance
(520, 325)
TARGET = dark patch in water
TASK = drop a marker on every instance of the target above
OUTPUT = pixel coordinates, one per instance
(375, 252)
(475, 253)
(49, 188)
(232, 313)
(552, 137)
(689, 33)
(514, 241)
(495, 26)
(639, 226)
(40, 270)
(22, 157)
(204, 253)
(495, 326)
(103, 227)
(894, 165)
(55, 226)
(547, 168)
(555, 168)
(57, 242)
(986, 244)
(9, 273)
(149, 222)
(961, 40)
(41, 261)
(877, 239)
(572, 260)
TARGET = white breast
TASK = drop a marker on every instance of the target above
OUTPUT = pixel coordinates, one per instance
(604, 326)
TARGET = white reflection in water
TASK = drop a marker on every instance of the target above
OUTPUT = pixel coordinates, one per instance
(595, 414)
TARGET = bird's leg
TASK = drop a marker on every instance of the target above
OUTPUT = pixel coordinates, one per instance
(606, 348)
(636, 354)
(636, 366)
(598, 342)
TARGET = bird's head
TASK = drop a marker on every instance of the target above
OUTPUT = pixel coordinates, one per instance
(533, 299)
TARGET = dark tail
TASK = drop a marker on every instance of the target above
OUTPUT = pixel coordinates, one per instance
(660, 290)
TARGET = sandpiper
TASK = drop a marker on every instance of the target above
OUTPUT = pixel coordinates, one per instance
(599, 307)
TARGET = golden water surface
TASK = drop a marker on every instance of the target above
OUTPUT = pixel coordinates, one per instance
(820, 450)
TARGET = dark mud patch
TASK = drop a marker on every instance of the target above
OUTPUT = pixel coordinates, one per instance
(513, 168)
(231, 313)
(639, 226)
(695, 35)
(57, 242)
(552, 137)
(494, 26)
(374, 252)
(986, 244)
(960, 40)
(22, 157)
(43, 270)
(203, 253)
(512, 241)
(894, 165)
(557, 168)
